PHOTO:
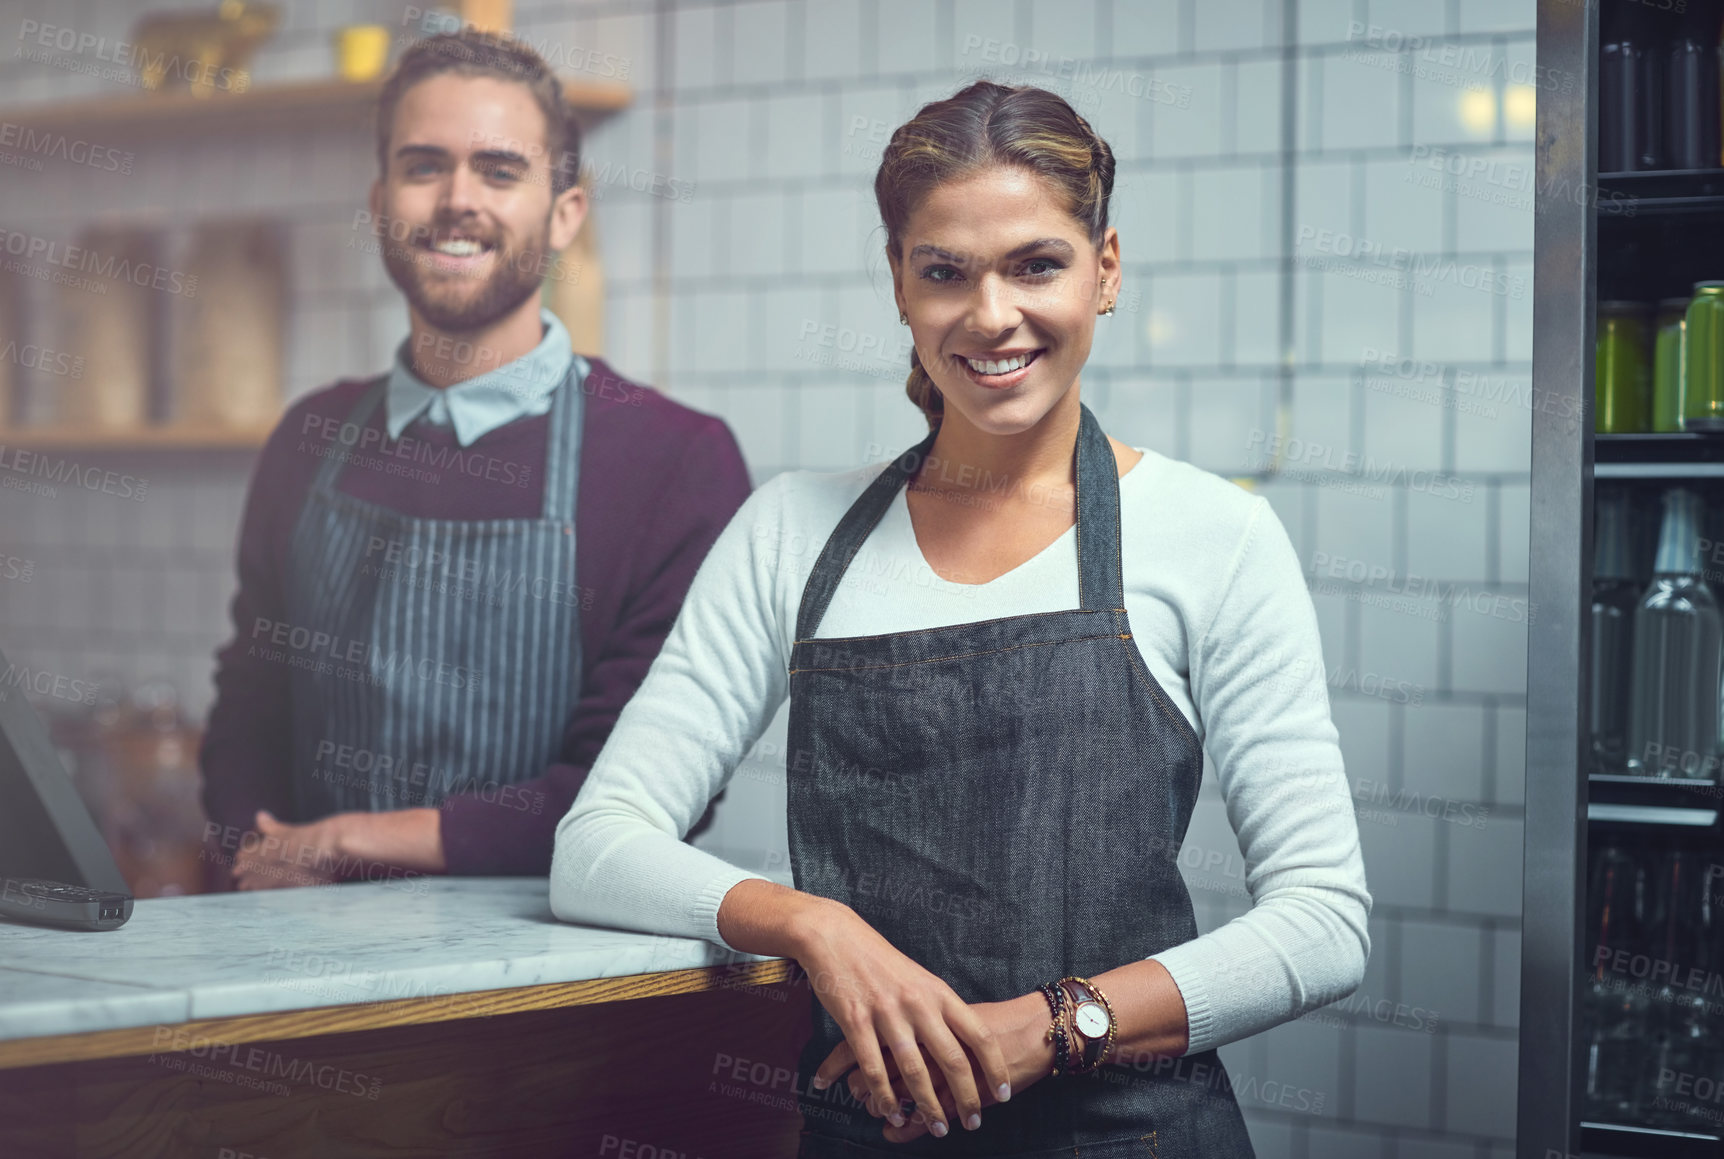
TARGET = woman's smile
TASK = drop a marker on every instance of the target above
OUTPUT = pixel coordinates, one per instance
(1001, 370)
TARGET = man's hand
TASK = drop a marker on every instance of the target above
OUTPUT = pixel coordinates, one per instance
(404, 838)
(289, 855)
(311, 854)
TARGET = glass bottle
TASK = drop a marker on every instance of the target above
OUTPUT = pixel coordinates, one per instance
(1614, 1014)
(1615, 594)
(1630, 90)
(1691, 91)
(1673, 716)
(1674, 1025)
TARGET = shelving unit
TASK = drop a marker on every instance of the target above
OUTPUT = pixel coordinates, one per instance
(262, 109)
(270, 106)
(1636, 809)
(1643, 237)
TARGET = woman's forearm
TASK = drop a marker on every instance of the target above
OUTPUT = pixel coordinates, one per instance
(1148, 1009)
(764, 917)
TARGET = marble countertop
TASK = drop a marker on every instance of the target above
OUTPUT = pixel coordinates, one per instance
(227, 954)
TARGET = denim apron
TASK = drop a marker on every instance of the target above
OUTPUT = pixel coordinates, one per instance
(985, 795)
(448, 651)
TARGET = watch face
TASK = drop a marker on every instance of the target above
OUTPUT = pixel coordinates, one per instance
(1091, 1020)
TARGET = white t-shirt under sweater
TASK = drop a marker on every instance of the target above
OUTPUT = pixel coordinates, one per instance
(1219, 611)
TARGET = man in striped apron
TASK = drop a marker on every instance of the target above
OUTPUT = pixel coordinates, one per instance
(454, 575)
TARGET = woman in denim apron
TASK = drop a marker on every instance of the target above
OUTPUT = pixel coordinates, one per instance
(1063, 695)
(980, 810)
(943, 702)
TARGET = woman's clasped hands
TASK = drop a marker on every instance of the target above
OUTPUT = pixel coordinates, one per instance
(907, 1034)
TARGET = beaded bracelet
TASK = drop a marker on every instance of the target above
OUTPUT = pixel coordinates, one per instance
(1056, 996)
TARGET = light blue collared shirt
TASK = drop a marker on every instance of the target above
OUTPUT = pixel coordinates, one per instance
(482, 404)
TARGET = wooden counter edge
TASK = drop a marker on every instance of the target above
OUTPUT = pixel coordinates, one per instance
(168, 1038)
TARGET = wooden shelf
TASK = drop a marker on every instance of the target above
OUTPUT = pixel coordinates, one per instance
(302, 103)
(166, 437)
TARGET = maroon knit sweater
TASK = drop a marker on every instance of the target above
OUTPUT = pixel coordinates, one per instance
(658, 482)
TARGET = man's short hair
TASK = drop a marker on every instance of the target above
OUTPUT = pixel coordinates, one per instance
(471, 52)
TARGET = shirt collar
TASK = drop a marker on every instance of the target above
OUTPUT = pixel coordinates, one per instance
(482, 404)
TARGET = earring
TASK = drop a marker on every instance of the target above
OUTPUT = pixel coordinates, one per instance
(1110, 305)
(903, 319)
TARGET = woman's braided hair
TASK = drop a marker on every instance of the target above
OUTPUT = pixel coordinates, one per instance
(983, 125)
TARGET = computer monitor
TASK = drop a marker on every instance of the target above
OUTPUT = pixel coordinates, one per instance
(45, 830)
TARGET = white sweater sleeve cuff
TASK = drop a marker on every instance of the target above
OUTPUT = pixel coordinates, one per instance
(709, 897)
(1187, 966)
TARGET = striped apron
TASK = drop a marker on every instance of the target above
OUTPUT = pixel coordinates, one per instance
(441, 656)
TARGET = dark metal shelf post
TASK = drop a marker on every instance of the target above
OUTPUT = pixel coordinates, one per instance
(1564, 237)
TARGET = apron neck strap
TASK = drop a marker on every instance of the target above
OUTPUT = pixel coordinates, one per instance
(842, 545)
(1100, 580)
(355, 421)
(562, 442)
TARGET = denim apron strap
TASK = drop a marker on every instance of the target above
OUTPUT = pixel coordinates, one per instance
(852, 530)
(1100, 580)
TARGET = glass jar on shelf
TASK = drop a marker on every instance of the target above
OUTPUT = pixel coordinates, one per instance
(158, 835)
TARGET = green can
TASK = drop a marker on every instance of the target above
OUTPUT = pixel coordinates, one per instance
(1621, 389)
(1669, 352)
(1703, 406)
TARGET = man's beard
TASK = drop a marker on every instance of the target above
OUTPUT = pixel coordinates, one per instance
(456, 303)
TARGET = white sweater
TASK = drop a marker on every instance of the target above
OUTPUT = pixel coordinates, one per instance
(1220, 612)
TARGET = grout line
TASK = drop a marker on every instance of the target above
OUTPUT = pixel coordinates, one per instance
(1287, 281)
(1440, 1077)
(723, 44)
(1487, 975)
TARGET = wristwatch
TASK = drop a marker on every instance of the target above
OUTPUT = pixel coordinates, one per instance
(1092, 1020)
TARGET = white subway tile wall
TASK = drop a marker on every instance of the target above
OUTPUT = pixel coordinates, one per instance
(1445, 760)
(1394, 396)
(1439, 964)
(1393, 1068)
